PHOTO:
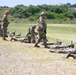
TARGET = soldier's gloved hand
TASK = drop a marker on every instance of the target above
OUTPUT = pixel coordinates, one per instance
(45, 31)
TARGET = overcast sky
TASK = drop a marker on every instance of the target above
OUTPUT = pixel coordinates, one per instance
(12, 3)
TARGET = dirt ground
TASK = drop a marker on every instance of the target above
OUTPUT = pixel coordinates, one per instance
(23, 59)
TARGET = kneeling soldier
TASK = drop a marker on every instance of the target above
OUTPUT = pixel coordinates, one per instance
(31, 34)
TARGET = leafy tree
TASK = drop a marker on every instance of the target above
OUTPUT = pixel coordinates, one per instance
(74, 13)
(53, 11)
(50, 15)
(69, 14)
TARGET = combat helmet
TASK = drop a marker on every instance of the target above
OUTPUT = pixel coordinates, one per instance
(6, 12)
(34, 26)
(43, 13)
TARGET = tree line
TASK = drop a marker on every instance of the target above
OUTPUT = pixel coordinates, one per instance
(53, 11)
(32, 12)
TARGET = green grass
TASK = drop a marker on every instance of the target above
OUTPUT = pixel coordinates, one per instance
(62, 29)
(29, 55)
(63, 32)
(19, 28)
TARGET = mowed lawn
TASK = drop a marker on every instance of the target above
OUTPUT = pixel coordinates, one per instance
(18, 58)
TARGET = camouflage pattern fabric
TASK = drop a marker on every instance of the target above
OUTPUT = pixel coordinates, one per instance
(1, 30)
(5, 25)
(31, 35)
(42, 30)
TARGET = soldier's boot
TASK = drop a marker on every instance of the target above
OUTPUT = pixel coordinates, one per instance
(46, 47)
(13, 39)
(5, 39)
(33, 41)
(72, 56)
(29, 41)
(6, 35)
(36, 45)
(68, 55)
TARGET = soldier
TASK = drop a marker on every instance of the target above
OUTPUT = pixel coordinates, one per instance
(0, 23)
(42, 30)
(1, 30)
(31, 34)
(5, 24)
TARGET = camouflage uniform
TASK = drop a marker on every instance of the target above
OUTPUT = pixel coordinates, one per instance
(31, 34)
(42, 30)
(5, 24)
(1, 31)
(0, 23)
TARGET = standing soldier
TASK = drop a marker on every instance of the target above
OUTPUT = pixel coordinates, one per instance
(42, 30)
(0, 23)
(1, 30)
(5, 24)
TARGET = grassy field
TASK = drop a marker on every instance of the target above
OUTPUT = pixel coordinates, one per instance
(18, 58)
(63, 32)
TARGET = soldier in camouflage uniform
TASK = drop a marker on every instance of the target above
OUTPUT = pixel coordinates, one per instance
(1, 30)
(5, 24)
(42, 26)
(0, 23)
(31, 34)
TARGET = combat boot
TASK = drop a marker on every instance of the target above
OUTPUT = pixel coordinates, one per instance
(33, 41)
(36, 45)
(11, 39)
(46, 47)
(68, 55)
(6, 35)
(5, 39)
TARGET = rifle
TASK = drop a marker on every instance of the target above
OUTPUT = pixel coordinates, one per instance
(64, 46)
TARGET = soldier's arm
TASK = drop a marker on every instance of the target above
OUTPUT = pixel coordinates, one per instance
(5, 20)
